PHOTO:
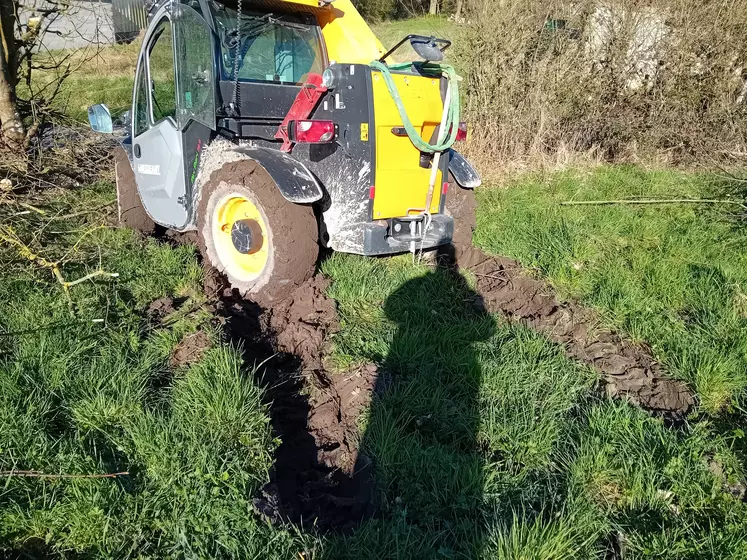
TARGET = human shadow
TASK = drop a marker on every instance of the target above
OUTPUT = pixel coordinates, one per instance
(421, 439)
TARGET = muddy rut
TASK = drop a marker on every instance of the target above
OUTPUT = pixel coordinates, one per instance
(320, 478)
(628, 370)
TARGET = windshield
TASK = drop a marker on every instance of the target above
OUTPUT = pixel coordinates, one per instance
(275, 48)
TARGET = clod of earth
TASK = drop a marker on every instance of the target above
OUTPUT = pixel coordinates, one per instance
(190, 349)
(161, 308)
(628, 370)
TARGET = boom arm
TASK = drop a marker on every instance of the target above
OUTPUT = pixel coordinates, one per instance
(348, 37)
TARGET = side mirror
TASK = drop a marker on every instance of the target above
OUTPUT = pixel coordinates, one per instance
(430, 49)
(427, 48)
(100, 119)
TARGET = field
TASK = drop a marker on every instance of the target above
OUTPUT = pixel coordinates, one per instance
(473, 434)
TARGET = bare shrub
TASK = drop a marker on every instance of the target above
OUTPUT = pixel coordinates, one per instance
(662, 79)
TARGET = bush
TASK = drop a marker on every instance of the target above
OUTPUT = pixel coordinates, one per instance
(656, 78)
(379, 10)
(375, 10)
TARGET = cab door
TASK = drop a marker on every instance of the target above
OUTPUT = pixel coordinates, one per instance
(173, 112)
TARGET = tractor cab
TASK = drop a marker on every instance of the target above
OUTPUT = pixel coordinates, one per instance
(304, 90)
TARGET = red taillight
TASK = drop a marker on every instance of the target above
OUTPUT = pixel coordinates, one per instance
(462, 132)
(312, 132)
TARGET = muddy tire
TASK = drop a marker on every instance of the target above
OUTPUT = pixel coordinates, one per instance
(265, 245)
(462, 206)
(130, 210)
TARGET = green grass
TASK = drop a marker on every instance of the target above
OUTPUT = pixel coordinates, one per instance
(673, 276)
(91, 391)
(486, 441)
(103, 77)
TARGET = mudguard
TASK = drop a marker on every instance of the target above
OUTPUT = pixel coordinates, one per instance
(295, 181)
(466, 175)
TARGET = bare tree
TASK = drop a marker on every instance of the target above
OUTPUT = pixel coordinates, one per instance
(13, 131)
(27, 26)
(434, 7)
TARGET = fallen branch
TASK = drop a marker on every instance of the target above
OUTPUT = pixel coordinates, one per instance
(37, 474)
(8, 235)
(83, 212)
(32, 208)
(652, 201)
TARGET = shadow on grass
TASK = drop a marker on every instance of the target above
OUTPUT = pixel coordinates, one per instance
(422, 429)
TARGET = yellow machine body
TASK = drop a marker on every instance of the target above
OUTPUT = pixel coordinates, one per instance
(379, 190)
(401, 182)
(347, 36)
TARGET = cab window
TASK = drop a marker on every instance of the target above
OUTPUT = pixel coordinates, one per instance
(272, 48)
(140, 117)
(194, 75)
(161, 71)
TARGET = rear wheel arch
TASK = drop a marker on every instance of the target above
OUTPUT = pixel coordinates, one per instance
(130, 209)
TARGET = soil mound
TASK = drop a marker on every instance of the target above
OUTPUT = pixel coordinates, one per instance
(303, 322)
(628, 370)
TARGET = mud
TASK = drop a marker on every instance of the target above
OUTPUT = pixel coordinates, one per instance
(130, 211)
(628, 370)
(190, 349)
(304, 322)
(319, 478)
(162, 308)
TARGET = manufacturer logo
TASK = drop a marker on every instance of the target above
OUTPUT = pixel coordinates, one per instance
(145, 169)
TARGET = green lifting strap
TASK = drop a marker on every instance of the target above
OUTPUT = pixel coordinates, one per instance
(452, 121)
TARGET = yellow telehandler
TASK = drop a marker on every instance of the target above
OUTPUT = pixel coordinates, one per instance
(272, 127)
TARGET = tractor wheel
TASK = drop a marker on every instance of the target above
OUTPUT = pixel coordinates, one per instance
(265, 245)
(462, 206)
(130, 210)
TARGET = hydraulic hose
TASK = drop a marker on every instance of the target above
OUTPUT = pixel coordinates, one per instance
(444, 142)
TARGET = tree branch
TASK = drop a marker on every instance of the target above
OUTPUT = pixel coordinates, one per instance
(36, 474)
(651, 201)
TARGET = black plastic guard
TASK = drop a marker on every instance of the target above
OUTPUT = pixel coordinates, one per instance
(466, 175)
(295, 181)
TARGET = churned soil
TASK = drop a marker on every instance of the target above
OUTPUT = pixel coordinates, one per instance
(628, 370)
(190, 349)
(319, 478)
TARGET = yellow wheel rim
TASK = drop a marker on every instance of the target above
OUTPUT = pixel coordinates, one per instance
(230, 210)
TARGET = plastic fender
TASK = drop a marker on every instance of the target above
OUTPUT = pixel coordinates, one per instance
(466, 175)
(295, 182)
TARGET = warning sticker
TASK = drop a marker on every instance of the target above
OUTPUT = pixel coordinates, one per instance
(364, 132)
